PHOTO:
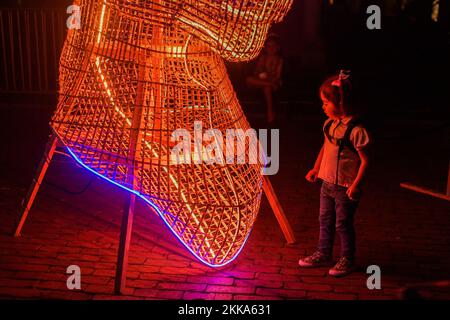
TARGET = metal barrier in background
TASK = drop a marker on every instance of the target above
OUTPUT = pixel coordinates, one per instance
(31, 43)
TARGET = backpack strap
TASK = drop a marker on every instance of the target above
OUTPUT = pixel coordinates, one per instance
(326, 129)
(345, 142)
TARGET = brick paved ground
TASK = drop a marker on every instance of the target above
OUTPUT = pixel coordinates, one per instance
(406, 234)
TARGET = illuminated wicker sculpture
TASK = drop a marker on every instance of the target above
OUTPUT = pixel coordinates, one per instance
(139, 69)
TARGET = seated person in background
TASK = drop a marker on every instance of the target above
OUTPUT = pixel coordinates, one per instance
(267, 75)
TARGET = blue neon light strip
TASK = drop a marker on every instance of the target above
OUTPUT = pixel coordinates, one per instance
(160, 214)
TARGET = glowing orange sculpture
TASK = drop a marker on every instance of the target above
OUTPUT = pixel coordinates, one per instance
(139, 69)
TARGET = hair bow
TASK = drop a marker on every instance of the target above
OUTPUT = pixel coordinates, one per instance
(343, 75)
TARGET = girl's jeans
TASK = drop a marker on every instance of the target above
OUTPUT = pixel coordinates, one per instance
(337, 212)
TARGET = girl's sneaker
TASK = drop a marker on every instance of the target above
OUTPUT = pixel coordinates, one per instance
(344, 267)
(317, 259)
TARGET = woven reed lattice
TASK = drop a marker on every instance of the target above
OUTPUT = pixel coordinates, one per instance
(139, 69)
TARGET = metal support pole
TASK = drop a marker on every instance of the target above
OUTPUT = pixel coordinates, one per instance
(37, 181)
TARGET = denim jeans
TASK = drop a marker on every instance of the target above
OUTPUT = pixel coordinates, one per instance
(337, 213)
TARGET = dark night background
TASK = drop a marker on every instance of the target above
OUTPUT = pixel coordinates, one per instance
(401, 70)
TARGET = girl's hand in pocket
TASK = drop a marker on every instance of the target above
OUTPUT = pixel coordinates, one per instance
(354, 192)
(311, 176)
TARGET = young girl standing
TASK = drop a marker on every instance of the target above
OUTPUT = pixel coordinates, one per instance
(341, 165)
